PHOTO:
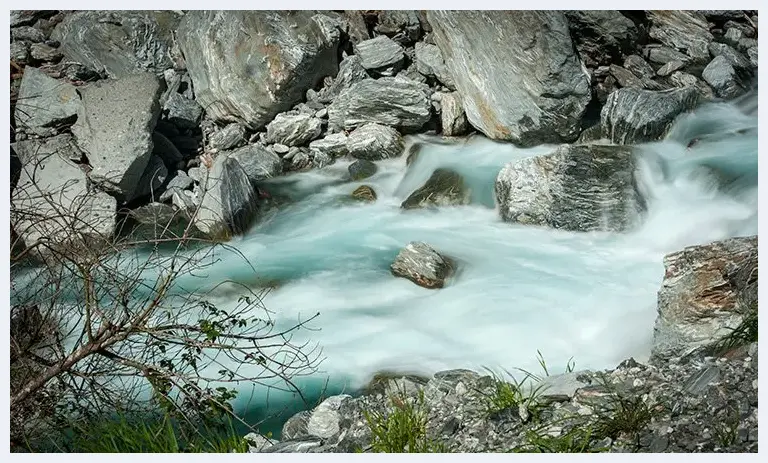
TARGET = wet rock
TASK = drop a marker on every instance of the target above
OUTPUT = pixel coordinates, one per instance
(514, 85)
(293, 130)
(374, 142)
(453, 119)
(578, 188)
(633, 115)
(423, 265)
(603, 36)
(257, 162)
(230, 136)
(364, 193)
(392, 101)
(240, 79)
(683, 30)
(402, 26)
(43, 52)
(27, 34)
(444, 188)
(639, 67)
(723, 78)
(351, 71)
(139, 41)
(182, 112)
(45, 105)
(334, 145)
(157, 221)
(429, 62)
(114, 128)
(700, 299)
(361, 169)
(380, 54)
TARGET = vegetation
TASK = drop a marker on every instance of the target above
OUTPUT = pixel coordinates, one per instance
(742, 335)
(578, 439)
(519, 397)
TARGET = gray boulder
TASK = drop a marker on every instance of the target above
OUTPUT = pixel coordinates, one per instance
(739, 62)
(182, 112)
(429, 62)
(351, 71)
(20, 52)
(52, 202)
(380, 54)
(257, 162)
(393, 101)
(231, 136)
(423, 265)
(374, 142)
(334, 145)
(27, 17)
(723, 78)
(625, 78)
(43, 52)
(453, 119)
(361, 169)
(634, 116)
(248, 66)
(706, 292)
(669, 68)
(119, 42)
(151, 182)
(752, 54)
(293, 130)
(602, 35)
(578, 188)
(402, 25)
(444, 188)
(516, 83)
(114, 128)
(27, 34)
(687, 31)
(180, 182)
(663, 55)
(45, 104)
(639, 67)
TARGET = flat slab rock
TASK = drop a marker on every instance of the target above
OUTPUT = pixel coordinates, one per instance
(423, 265)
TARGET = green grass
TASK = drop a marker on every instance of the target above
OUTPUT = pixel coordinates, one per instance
(512, 396)
(579, 439)
(742, 335)
(402, 428)
(628, 416)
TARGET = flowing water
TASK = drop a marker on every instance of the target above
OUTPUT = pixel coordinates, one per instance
(586, 296)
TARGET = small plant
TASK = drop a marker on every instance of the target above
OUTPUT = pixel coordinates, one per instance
(578, 439)
(403, 428)
(515, 396)
(745, 333)
(629, 416)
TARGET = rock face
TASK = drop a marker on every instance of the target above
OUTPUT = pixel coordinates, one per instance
(686, 31)
(393, 101)
(55, 191)
(248, 66)
(444, 188)
(119, 42)
(423, 265)
(229, 204)
(705, 293)
(380, 54)
(375, 142)
(634, 115)
(517, 72)
(44, 104)
(293, 130)
(579, 188)
(114, 128)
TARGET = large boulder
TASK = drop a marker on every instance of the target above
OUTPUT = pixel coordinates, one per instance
(687, 31)
(444, 188)
(518, 74)
(248, 66)
(707, 290)
(44, 104)
(53, 203)
(114, 128)
(375, 142)
(578, 188)
(393, 101)
(402, 25)
(258, 163)
(423, 265)
(632, 115)
(602, 36)
(721, 75)
(119, 42)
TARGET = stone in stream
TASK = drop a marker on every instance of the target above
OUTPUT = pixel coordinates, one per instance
(723, 78)
(423, 265)
(375, 142)
(578, 188)
(364, 193)
(334, 145)
(293, 129)
(361, 169)
(258, 163)
(445, 187)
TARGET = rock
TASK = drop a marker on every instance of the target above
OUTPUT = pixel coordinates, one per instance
(257, 443)
(739, 62)
(402, 25)
(70, 71)
(561, 386)
(230, 204)
(180, 182)
(702, 296)
(165, 149)
(634, 116)
(682, 79)
(19, 52)
(114, 128)
(380, 54)
(27, 17)
(364, 193)
(334, 145)
(257, 162)
(351, 71)
(663, 55)
(293, 130)
(119, 42)
(357, 30)
(578, 188)
(453, 119)
(745, 45)
(182, 112)
(752, 53)
(43, 52)
(392, 101)
(722, 15)
(280, 148)
(670, 67)
(374, 142)
(625, 78)
(423, 265)
(444, 188)
(429, 62)
(361, 169)
(320, 159)
(151, 182)
(45, 105)
(722, 77)
(732, 37)
(603, 36)
(241, 78)
(515, 84)
(158, 221)
(231, 136)
(687, 31)
(49, 189)
(639, 67)
(303, 445)
(27, 34)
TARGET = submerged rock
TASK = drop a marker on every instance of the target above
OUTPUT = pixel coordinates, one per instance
(364, 193)
(423, 265)
(361, 169)
(158, 221)
(444, 188)
(579, 188)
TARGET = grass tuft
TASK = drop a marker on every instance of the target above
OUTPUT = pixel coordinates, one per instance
(579, 439)
(514, 396)
(742, 335)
